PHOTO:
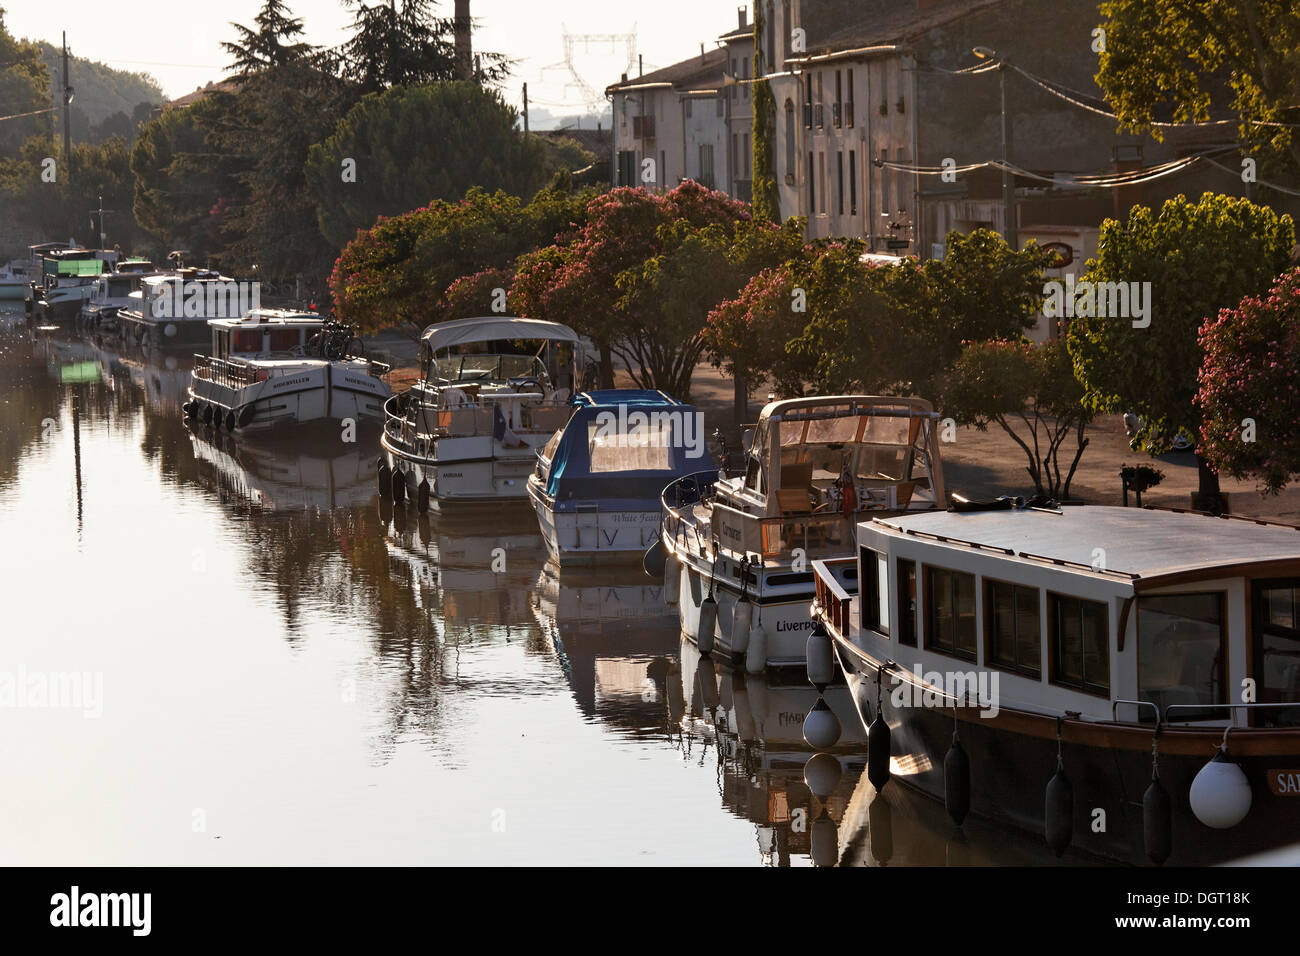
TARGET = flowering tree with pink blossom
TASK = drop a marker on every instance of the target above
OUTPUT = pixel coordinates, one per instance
(1249, 393)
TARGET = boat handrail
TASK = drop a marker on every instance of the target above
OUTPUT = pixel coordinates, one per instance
(830, 594)
(1203, 707)
(1114, 708)
(224, 372)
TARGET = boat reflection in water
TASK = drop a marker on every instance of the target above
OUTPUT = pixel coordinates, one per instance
(615, 640)
(767, 772)
(296, 473)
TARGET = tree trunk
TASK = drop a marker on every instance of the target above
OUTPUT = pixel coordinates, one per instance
(741, 401)
(1207, 478)
(606, 364)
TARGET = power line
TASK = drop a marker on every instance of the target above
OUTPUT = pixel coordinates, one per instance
(1109, 180)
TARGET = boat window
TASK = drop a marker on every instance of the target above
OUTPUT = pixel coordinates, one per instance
(1011, 628)
(1277, 649)
(906, 602)
(1079, 640)
(754, 476)
(950, 612)
(282, 340)
(1181, 652)
(874, 579)
(643, 448)
(248, 340)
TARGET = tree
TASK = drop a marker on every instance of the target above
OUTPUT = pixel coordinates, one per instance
(751, 333)
(24, 88)
(898, 328)
(675, 291)
(385, 140)
(97, 170)
(181, 179)
(1031, 393)
(1170, 59)
(1248, 386)
(591, 283)
(271, 44)
(480, 293)
(396, 272)
(1198, 258)
(406, 46)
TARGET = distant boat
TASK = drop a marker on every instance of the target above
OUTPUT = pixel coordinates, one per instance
(492, 392)
(597, 484)
(172, 309)
(284, 368)
(67, 278)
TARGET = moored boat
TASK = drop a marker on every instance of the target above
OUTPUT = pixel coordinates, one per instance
(597, 484)
(273, 367)
(492, 392)
(738, 551)
(1078, 655)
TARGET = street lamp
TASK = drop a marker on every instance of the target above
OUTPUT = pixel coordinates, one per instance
(1011, 230)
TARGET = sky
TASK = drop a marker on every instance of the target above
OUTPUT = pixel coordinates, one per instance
(179, 42)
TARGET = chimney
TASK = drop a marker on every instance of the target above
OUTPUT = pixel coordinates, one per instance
(640, 65)
(740, 12)
(461, 26)
(701, 52)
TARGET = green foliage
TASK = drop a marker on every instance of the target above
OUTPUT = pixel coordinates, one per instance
(766, 201)
(416, 144)
(272, 44)
(397, 272)
(1191, 62)
(392, 46)
(1031, 393)
(182, 180)
(899, 328)
(62, 209)
(1199, 257)
(24, 86)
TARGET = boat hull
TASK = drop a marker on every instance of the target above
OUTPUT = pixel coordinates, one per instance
(324, 393)
(589, 535)
(1011, 766)
(474, 468)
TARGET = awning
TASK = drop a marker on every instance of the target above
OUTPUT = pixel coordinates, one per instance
(444, 335)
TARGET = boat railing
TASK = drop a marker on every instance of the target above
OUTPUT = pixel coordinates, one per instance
(833, 598)
(682, 493)
(227, 373)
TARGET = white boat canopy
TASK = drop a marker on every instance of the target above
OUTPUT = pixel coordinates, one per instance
(444, 335)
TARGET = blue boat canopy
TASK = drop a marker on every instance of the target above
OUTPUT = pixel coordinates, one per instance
(621, 447)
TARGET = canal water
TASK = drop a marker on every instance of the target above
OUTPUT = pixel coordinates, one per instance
(220, 652)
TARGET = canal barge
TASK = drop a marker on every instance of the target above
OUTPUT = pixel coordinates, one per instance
(273, 367)
(1123, 681)
(738, 550)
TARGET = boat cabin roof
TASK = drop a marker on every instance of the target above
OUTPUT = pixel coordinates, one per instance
(613, 397)
(263, 318)
(444, 335)
(1154, 547)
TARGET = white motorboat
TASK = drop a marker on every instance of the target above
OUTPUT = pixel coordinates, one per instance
(737, 552)
(1105, 646)
(274, 367)
(492, 392)
(111, 293)
(598, 481)
(173, 309)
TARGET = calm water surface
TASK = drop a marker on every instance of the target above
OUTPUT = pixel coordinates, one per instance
(293, 673)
